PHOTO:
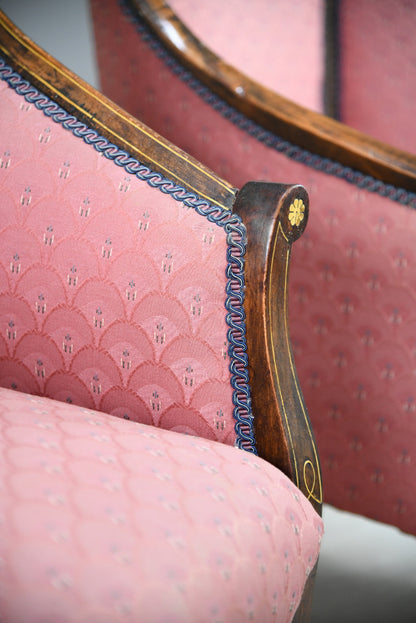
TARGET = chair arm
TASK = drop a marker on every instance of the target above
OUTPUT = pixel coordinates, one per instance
(275, 215)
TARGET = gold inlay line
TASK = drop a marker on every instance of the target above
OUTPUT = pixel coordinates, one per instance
(58, 69)
(273, 348)
(292, 367)
(294, 376)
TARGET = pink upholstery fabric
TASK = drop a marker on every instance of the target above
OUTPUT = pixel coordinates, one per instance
(278, 44)
(107, 520)
(353, 284)
(103, 302)
(377, 69)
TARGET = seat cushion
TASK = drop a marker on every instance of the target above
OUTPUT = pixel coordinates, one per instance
(104, 519)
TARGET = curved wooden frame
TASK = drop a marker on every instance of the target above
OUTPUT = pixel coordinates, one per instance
(275, 215)
(309, 130)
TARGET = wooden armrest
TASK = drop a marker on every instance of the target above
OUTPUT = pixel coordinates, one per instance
(275, 215)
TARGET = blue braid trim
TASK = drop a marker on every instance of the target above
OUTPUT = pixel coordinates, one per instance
(290, 150)
(233, 226)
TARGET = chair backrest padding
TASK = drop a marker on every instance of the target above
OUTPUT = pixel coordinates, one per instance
(114, 295)
(377, 66)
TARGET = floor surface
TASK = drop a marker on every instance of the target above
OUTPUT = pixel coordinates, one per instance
(366, 572)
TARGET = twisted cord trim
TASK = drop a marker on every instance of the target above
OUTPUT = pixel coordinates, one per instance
(292, 151)
(233, 226)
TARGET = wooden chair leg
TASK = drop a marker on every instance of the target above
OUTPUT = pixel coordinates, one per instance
(303, 613)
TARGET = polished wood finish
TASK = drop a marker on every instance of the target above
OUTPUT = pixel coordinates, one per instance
(317, 133)
(286, 441)
(91, 107)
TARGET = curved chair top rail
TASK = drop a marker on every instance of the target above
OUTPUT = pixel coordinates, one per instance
(311, 131)
(80, 99)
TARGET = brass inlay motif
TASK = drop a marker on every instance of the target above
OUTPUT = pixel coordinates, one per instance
(296, 212)
(309, 478)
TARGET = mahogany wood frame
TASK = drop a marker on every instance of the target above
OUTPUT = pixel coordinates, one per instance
(265, 210)
(312, 131)
(283, 431)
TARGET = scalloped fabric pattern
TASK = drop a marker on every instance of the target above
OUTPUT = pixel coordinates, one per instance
(352, 283)
(108, 520)
(112, 294)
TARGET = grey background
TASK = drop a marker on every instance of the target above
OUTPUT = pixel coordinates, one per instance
(367, 571)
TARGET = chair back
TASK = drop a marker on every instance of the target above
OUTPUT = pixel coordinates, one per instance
(377, 59)
(352, 292)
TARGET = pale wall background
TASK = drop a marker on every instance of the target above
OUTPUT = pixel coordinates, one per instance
(367, 571)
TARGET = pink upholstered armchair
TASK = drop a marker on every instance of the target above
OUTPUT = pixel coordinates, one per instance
(157, 459)
(352, 293)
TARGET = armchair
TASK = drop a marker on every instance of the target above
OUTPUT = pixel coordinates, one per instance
(352, 291)
(157, 458)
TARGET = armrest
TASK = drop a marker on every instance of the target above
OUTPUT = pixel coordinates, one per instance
(275, 215)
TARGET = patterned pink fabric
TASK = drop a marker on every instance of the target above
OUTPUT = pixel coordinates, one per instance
(103, 302)
(107, 520)
(377, 69)
(278, 44)
(353, 288)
